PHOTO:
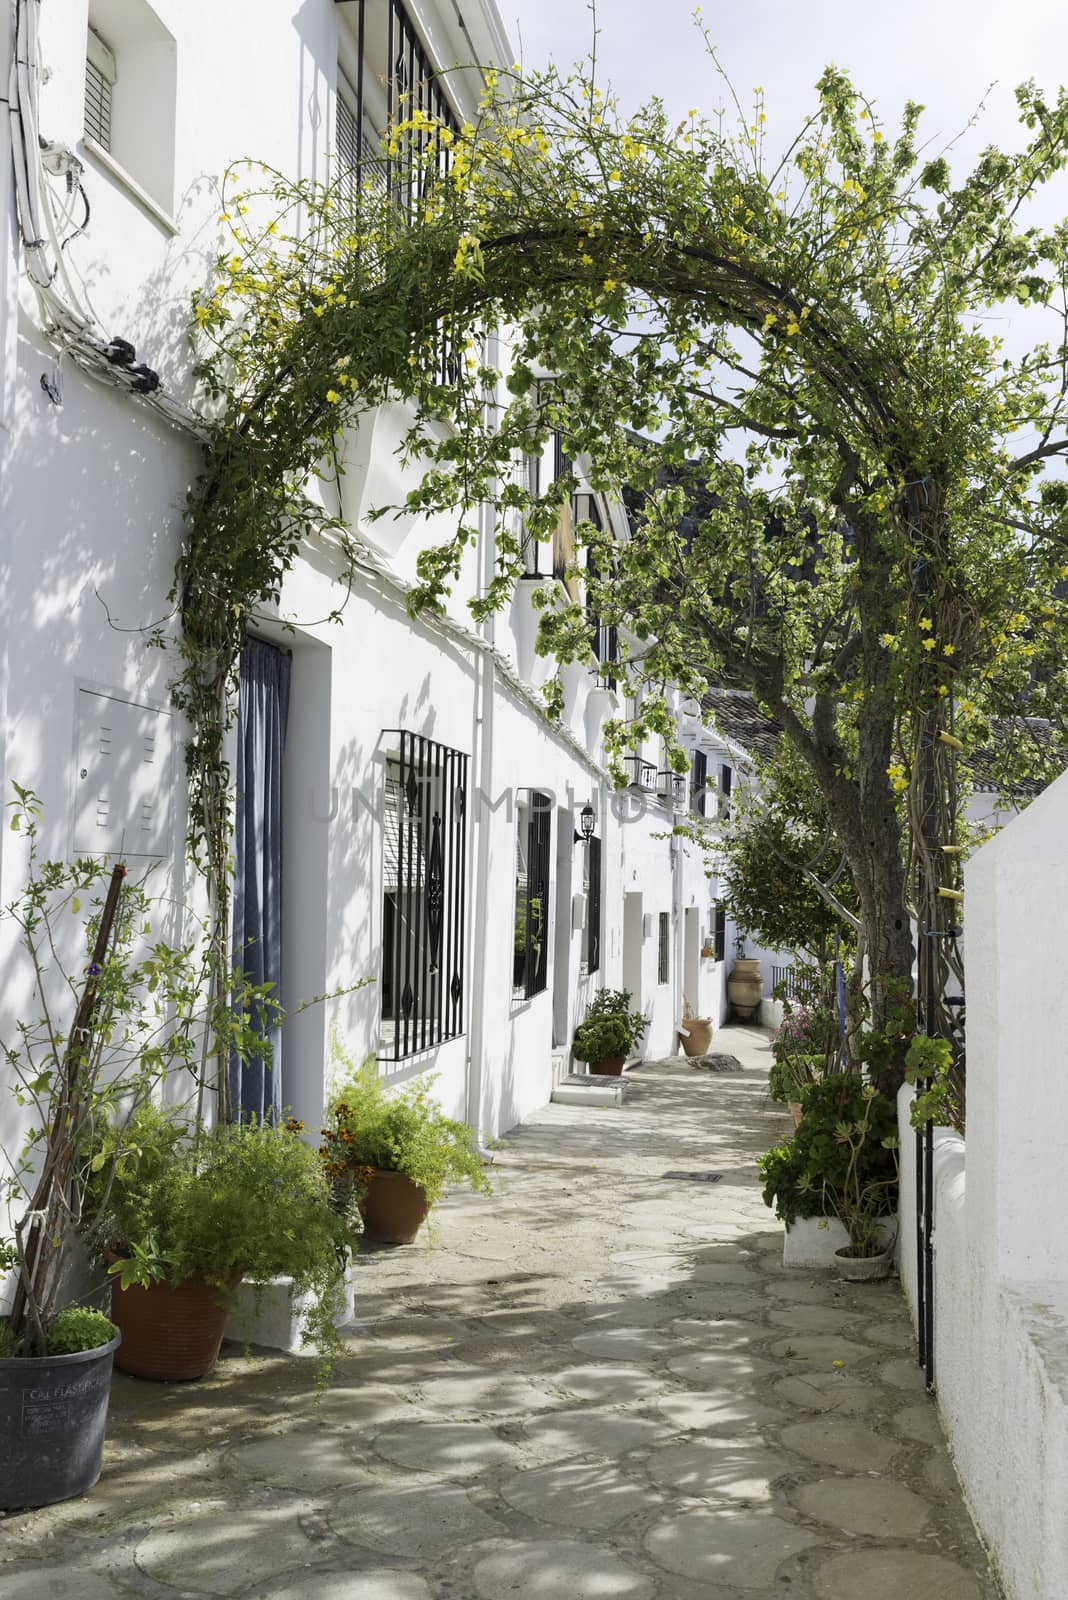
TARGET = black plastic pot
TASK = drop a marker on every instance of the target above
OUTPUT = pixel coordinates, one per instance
(53, 1412)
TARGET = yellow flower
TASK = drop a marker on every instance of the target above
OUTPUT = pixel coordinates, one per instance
(793, 327)
(609, 285)
(770, 320)
(838, 1365)
(615, 176)
(926, 624)
(333, 396)
(948, 650)
(929, 644)
(888, 639)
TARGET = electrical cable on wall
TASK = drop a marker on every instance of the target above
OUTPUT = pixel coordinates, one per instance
(47, 227)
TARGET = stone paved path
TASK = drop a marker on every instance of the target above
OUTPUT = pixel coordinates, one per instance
(600, 1385)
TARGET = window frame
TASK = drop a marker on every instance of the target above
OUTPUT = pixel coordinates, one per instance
(530, 968)
(663, 950)
(426, 946)
(99, 60)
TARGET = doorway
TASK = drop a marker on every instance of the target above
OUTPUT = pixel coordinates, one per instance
(632, 949)
(565, 848)
(691, 959)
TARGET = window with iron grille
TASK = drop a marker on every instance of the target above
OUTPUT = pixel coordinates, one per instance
(663, 954)
(425, 881)
(99, 79)
(699, 780)
(720, 937)
(604, 636)
(592, 888)
(528, 473)
(530, 964)
(390, 80)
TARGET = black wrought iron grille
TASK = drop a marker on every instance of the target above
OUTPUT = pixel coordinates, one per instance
(797, 983)
(97, 105)
(424, 896)
(725, 776)
(533, 840)
(720, 938)
(593, 905)
(663, 954)
(389, 50)
(699, 780)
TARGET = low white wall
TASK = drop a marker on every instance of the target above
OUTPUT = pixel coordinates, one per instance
(1000, 1246)
(1001, 1380)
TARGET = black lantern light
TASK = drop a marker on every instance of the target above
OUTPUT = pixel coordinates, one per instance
(587, 823)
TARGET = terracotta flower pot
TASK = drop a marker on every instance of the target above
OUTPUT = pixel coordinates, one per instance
(612, 1067)
(697, 1039)
(170, 1332)
(745, 988)
(393, 1208)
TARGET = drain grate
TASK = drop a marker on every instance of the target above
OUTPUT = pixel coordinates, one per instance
(696, 1177)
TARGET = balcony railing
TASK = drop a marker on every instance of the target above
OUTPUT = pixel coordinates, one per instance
(640, 774)
(671, 786)
(797, 983)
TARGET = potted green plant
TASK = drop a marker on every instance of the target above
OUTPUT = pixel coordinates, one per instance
(864, 1196)
(101, 1032)
(189, 1212)
(812, 1175)
(390, 1153)
(805, 1049)
(609, 1032)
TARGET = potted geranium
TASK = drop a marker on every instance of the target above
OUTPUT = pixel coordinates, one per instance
(609, 1032)
(390, 1153)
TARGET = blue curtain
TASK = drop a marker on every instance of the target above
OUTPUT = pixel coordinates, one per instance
(263, 708)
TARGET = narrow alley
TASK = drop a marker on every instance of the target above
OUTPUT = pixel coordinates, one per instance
(600, 1384)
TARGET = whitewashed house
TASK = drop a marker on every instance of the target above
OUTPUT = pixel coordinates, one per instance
(415, 807)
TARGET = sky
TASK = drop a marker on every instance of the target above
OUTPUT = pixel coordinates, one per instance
(952, 56)
(943, 53)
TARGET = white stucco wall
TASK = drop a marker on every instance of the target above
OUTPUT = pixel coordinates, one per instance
(1001, 1254)
(91, 500)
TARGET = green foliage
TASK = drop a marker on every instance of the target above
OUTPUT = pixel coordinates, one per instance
(610, 1028)
(79, 1328)
(929, 1066)
(815, 1172)
(872, 545)
(152, 1015)
(248, 1199)
(778, 847)
(864, 1196)
(10, 1345)
(372, 1126)
(790, 1075)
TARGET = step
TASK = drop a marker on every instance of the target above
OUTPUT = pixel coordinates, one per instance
(584, 1088)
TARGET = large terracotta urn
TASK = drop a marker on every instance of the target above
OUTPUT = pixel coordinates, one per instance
(745, 988)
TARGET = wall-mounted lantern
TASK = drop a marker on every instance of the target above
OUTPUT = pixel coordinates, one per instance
(587, 823)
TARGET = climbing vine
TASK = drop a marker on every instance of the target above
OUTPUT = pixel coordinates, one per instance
(840, 495)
